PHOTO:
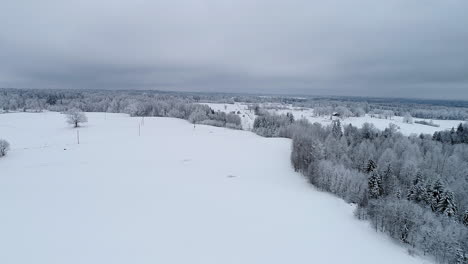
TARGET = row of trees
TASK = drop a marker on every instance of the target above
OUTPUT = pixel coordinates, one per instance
(460, 135)
(134, 103)
(413, 188)
(110, 101)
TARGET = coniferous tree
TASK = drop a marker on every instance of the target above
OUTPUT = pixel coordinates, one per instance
(375, 185)
(371, 166)
(465, 218)
(447, 204)
(290, 117)
(417, 191)
(336, 129)
(436, 193)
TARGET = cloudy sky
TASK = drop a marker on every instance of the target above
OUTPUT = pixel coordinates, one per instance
(402, 48)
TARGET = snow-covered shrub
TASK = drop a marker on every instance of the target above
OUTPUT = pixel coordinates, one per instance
(4, 147)
(213, 123)
(175, 113)
(426, 123)
(233, 126)
(198, 116)
(233, 119)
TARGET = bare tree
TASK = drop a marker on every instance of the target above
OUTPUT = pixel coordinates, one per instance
(4, 147)
(75, 117)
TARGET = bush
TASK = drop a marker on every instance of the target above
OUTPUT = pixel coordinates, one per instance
(426, 123)
(233, 126)
(4, 147)
(215, 123)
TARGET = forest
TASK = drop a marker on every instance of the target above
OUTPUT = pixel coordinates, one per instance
(412, 188)
(120, 101)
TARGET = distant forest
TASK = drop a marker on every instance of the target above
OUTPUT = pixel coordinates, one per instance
(118, 101)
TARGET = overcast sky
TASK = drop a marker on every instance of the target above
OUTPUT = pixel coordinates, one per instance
(399, 48)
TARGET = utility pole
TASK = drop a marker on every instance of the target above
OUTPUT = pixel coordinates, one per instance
(139, 129)
(78, 136)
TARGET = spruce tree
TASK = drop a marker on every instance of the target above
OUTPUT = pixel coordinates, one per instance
(375, 185)
(418, 191)
(371, 166)
(447, 204)
(336, 129)
(436, 193)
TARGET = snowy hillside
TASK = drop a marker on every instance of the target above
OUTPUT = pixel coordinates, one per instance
(175, 194)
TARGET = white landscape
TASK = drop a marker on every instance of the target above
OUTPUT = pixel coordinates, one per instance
(176, 193)
(247, 116)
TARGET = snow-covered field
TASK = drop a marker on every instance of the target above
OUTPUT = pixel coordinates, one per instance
(175, 194)
(248, 117)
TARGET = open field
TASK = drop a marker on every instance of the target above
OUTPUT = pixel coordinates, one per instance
(175, 194)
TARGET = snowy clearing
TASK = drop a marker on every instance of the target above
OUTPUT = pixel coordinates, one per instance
(175, 194)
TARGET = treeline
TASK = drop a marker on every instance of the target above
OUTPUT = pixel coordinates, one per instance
(460, 135)
(412, 188)
(134, 103)
(32, 100)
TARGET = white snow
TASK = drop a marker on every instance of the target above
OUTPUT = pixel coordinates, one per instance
(175, 194)
(308, 113)
(381, 124)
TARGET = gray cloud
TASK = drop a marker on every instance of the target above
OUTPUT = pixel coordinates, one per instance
(392, 48)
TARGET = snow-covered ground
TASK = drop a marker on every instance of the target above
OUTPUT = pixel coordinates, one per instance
(175, 194)
(404, 128)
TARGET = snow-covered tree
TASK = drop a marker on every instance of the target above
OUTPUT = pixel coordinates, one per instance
(465, 218)
(337, 132)
(4, 147)
(407, 118)
(375, 185)
(418, 190)
(307, 151)
(446, 205)
(343, 111)
(198, 116)
(75, 117)
(371, 166)
(435, 193)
